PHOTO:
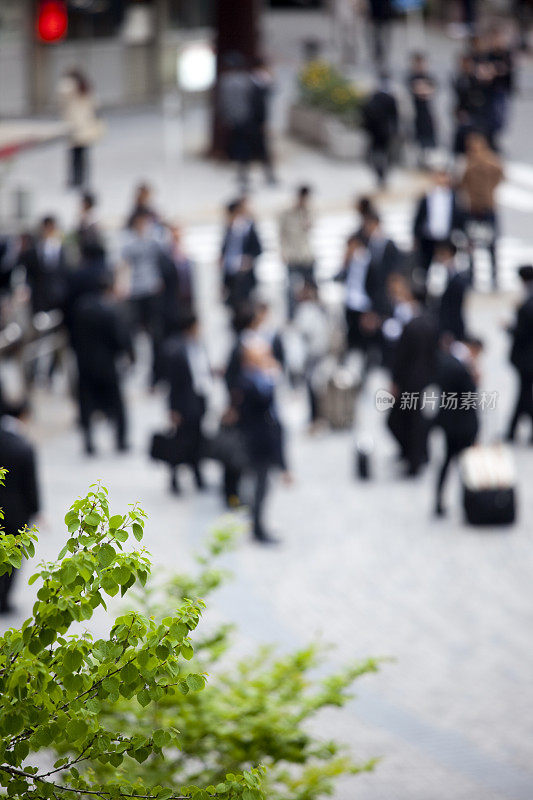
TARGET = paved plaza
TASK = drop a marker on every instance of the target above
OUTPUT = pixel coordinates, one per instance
(363, 566)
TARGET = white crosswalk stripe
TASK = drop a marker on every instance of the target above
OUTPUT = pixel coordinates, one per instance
(330, 233)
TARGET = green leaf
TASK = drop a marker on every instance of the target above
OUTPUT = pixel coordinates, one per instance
(143, 697)
(137, 531)
(115, 521)
(195, 682)
(106, 555)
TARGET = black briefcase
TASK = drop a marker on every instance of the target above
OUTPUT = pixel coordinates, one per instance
(489, 506)
(173, 447)
(228, 447)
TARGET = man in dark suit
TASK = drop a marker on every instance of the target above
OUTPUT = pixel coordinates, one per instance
(386, 256)
(413, 370)
(44, 260)
(260, 426)
(19, 498)
(437, 216)
(522, 354)
(241, 247)
(456, 377)
(365, 293)
(380, 120)
(100, 336)
(451, 305)
(190, 379)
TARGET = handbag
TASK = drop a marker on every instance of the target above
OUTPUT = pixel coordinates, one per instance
(173, 447)
(228, 447)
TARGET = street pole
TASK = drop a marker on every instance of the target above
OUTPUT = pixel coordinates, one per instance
(236, 31)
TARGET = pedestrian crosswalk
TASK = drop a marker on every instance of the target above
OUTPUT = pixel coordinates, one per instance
(330, 233)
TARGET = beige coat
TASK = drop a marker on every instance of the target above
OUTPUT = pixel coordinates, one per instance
(79, 113)
(295, 226)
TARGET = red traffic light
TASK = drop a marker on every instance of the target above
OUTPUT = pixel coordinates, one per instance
(52, 20)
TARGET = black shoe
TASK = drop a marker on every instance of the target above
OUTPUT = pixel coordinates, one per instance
(262, 537)
(122, 447)
(440, 511)
(6, 608)
(89, 449)
(174, 485)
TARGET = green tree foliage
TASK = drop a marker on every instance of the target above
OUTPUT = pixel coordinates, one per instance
(132, 715)
(254, 710)
(54, 683)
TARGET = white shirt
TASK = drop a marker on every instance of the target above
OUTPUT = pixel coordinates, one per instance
(439, 216)
(200, 369)
(235, 244)
(356, 296)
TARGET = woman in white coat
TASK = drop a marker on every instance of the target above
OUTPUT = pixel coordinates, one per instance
(78, 109)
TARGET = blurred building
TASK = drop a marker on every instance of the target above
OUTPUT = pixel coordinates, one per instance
(128, 48)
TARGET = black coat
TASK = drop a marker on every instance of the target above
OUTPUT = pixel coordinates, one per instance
(48, 285)
(182, 395)
(424, 124)
(99, 336)
(453, 377)
(420, 230)
(380, 118)
(451, 318)
(375, 287)
(19, 498)
(415, 357)
(259, 423)
(522, 347)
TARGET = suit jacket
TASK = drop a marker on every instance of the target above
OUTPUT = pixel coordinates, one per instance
(380, 118)
(251, 244)
(374, 287)
(183, 397)
(99, 336)
(451, 306)
(19, 498)
(454, 377)
(48, 285)
(420, 230)
(258, 421)
(415, 357)
(522, 346)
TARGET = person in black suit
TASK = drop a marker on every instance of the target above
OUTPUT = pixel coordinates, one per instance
(241, 247)
(44, 260)
(260, 101)
(451, 305)
(365, 291)
(422, 85)
(260, 426)
(386, 256)
(413, 370)
(100, 336)
(457, 379)
(19, 498)
(381, 13)
(189, 379)
(522, 354)
(438, 216)
(380, 120)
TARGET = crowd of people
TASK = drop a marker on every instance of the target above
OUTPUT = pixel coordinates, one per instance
(403, 312)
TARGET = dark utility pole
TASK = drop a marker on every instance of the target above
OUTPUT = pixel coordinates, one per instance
(236, 31)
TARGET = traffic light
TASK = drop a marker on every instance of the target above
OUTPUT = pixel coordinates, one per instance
(52, 20)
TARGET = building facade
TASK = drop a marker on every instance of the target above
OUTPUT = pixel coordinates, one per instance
(128, 48)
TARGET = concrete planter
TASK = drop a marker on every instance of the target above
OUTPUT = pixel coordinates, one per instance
(326, 131)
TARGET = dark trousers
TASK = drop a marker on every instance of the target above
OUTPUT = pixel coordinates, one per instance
(147, 312)
(261, 482)
(426, 252)
(379, 158)
(524, 403)
(239, 287)
(298, 275)
(410, 429)
(78, 166)
(94, 395)
(454, 446)
(191, 431)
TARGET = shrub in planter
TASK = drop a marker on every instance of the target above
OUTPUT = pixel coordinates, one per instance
(322, 86)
